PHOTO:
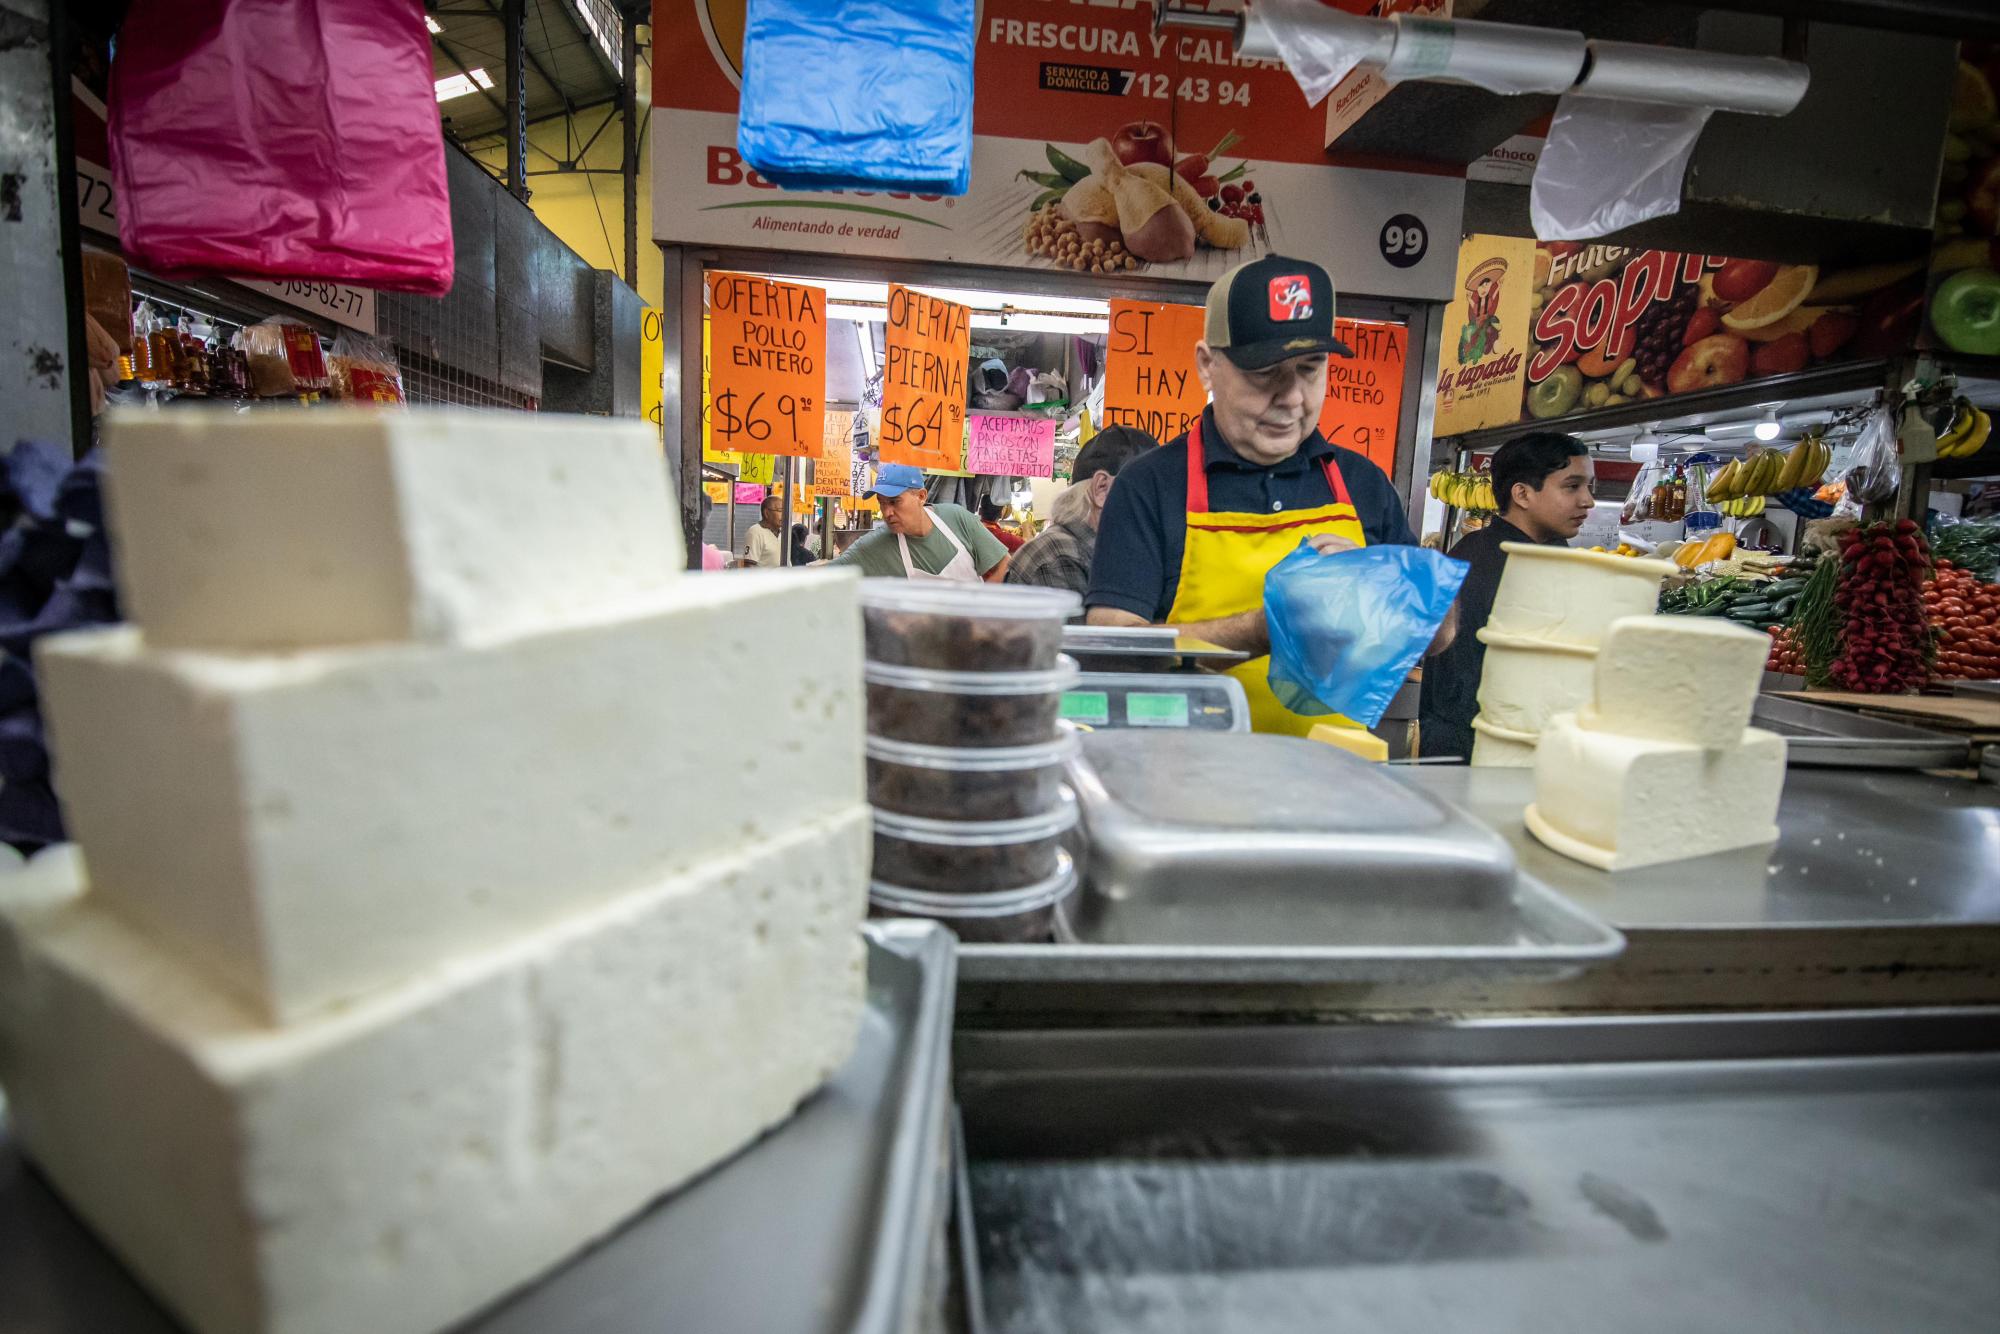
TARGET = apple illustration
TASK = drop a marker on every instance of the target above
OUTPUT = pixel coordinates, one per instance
(1966, 312)
(1143, 141)
(1741, 279)
(1701, 324)
(1781, 356)
(1715, 361)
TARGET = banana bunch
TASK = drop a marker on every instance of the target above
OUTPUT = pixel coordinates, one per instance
(1967, 433)
(1770, 471)
(1464, 490)
(1748, 507)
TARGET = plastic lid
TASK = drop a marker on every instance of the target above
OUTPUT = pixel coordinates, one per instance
(974, 759)
(1004, 903)
(1013, 602)
(980, 833)
(1061, 677)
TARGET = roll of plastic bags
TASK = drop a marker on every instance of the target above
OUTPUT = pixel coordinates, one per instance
(869, 96)
(294, 140)
(1346, 628)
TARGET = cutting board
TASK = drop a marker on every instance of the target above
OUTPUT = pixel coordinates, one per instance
(1960, 713)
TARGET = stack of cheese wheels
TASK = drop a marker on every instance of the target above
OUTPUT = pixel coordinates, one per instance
(1661, 762)
(1550, 614)
(442, 902)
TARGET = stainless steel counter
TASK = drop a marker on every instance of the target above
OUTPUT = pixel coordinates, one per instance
(1832, 1173)
(1856, 848)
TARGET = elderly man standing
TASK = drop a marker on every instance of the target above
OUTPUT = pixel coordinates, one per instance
(1190, 531)
(1060, 555)
(764, 547)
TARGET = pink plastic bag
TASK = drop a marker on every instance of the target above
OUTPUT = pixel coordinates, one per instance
(289, 140)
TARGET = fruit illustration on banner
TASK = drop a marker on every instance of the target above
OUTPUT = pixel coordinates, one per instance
(1116, 205)
(1966, 312)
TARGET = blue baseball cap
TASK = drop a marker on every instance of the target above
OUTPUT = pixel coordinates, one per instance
(893, 479)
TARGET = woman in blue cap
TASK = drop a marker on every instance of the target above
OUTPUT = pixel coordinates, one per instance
(918, 540)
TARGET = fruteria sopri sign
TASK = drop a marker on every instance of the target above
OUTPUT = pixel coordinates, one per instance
(1073, 97)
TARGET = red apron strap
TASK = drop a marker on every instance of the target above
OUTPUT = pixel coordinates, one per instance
(1197, 501)
(1337, 482)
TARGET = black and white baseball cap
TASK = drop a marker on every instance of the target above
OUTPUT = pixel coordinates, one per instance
(1269, 309)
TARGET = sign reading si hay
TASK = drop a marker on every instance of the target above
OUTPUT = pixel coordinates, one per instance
(923, 379)
(767, 364)
(1149, 375)
(1364, 392)
(1012, 447)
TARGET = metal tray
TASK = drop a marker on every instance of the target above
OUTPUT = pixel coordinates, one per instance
(1162, 642)
(1653, 1175)
(1820, 737)
(832, 1222)
(1232, 858)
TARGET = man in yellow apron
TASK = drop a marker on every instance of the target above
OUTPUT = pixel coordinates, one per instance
(1190, 531)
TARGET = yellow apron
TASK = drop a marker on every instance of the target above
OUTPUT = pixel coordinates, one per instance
(1223, 569)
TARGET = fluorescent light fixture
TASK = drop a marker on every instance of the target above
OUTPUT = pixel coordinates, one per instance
(1767, 427)
(1040, 323)
(460, 85)
(859, 314)
(433, 24)
(865, 293)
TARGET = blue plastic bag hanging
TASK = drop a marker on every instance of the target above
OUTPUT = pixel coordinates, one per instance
(871, 96)
(1347, 628)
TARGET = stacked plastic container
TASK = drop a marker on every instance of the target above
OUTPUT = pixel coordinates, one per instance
(965, 755)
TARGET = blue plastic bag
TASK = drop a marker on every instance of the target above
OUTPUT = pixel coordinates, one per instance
(872, 96)
(1347, 628)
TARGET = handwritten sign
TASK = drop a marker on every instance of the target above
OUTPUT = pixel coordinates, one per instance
(1364, 392)
(923, 379)
(1149, 376)
(756, 468)
(716, 491)
(833, 470)
(747, 494)
(767, 365)
(1012, 446)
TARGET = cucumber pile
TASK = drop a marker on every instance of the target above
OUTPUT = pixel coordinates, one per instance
(1757, 603)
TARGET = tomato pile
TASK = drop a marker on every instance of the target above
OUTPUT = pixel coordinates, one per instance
(1885, 638)
(1966, 616)
(1787, 654)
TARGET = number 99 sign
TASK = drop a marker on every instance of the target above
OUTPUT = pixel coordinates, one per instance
(1404, 241)
(767, 365)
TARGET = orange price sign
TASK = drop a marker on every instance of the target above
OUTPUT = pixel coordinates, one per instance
(1149, 375)
(767, 365)
(923, 380)
(1364, 392)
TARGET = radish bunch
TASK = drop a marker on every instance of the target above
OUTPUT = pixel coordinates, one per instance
(1885, 639)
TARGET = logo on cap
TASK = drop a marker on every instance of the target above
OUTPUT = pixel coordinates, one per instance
(1291, 298)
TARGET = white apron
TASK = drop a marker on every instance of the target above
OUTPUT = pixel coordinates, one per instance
(959, 569)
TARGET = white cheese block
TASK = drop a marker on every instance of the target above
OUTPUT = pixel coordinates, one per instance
(1501, 747)
(402, 1162)
(1526, 682)
(1677, 678)
(290, 529)
(307, 826)
(1616, 802)
(1566, 596)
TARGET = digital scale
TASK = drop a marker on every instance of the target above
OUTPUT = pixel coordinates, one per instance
(1174, 701)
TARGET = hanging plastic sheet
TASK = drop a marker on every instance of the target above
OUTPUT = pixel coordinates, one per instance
(1609, 165)
(295, 140)
(869, 96)
(1346, 628)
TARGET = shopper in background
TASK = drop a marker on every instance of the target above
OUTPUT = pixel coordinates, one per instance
(713, 557)
(1541, 481)
(990, 515)
(1060, 555)
(1190, 531)
(917, 540)
(763, 548)
(801, 550)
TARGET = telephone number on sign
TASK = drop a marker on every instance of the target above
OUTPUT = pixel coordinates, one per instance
(1161, 87)
(342, 300)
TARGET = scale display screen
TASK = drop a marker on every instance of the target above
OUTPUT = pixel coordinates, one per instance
(1174, 701)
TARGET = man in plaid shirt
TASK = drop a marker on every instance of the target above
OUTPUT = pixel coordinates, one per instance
(1060, 555)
